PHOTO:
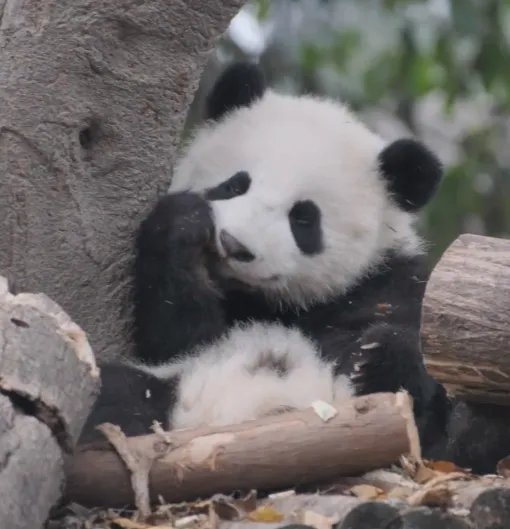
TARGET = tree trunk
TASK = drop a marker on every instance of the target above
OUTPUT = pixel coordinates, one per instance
(466, 319)
(94, 94)
(274, 452)
(48, 384)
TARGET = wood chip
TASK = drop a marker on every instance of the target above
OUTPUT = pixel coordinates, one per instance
(138, 465)
(324, 410)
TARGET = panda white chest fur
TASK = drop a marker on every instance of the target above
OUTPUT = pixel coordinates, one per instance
(284, 246)
(254, 370)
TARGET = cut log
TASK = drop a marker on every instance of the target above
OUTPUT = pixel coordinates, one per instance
(274, 452)
(48, 383)
(93, 95)
(465, 323)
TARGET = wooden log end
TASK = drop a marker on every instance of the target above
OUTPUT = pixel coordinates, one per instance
(465, 322)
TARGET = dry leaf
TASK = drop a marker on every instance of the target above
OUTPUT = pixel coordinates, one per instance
(265, 514)
(186, 521)
(314, 519)
(430, 470)
(226, 509)
(230, 509)
(125, 523)
(400, 493)
(367, 492)
(248, 503)
(503, 467)
(444, 478)
(437, 497)
(424, 474)
(443, 466)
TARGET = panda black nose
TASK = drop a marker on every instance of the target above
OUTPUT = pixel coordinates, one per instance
(234, 248)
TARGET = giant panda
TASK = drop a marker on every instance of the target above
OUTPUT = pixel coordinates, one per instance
(477, 436)
(283, 266)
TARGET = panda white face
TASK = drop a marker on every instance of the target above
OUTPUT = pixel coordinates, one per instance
(300, 208)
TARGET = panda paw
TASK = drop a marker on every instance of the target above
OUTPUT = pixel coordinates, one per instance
(183, 220)
(388, 360)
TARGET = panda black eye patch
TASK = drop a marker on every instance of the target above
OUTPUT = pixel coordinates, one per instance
(235, 186)
(305, 224)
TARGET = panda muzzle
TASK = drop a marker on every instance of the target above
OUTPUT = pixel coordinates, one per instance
(235, 249)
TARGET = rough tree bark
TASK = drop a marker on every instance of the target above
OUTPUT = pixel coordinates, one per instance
(94, 94)
(48, 384)
(273, 452)
(466, 319)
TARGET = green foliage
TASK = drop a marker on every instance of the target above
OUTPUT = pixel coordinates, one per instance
(464, 55)
(263, 8)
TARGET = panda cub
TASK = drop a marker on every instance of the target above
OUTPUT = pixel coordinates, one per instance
(282, 267)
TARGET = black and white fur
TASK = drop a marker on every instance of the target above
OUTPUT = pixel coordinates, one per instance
(282, 267)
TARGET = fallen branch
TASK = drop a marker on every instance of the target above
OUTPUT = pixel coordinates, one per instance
(466, 319)
(48, 383)
(274, 452)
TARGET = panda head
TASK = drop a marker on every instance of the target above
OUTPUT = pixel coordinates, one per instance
(306, 199)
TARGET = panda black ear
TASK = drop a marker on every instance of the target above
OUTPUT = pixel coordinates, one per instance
(412, 172)
(240, 85)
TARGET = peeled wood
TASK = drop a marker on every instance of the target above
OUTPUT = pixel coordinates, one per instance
(466, 319)
(48, 383)
(273, 452)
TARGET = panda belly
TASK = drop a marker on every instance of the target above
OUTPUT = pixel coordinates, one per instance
(255, 370)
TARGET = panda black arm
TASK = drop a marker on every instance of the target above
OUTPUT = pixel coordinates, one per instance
(176, 305)
(373, 335)
(478, 436)
(390, 357)
(131, 399)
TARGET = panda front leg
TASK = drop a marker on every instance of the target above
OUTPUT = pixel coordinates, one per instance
(176, 303)
(389, 359)
(131, 398)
